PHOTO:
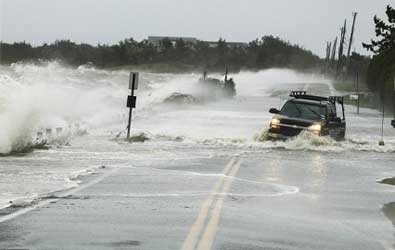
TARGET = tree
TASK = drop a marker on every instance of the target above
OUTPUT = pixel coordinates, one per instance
(166, 44)
(381, 70)
(385, 32)
(222, 50)
(180, 50)
(259, 54)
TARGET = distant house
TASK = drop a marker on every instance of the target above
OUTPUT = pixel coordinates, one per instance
(236, 44)
(214, 44)
(211, 44)
(155, 40)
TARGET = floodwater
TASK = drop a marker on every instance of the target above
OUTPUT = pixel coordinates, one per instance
(82, 115)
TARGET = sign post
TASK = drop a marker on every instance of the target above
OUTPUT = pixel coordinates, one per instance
(381, 142)
(131, 102)
(393, 100)
(358, 94)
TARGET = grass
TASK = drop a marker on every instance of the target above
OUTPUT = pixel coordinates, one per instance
(141, 137)
(365, 101)
(388, 181)
(344, 86)
(349, 86)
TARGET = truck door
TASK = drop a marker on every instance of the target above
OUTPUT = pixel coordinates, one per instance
(336, 125)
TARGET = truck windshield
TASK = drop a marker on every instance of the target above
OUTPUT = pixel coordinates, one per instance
(303, 110)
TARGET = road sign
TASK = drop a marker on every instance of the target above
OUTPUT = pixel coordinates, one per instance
(354, 97)
(131, 103)
(133, 80)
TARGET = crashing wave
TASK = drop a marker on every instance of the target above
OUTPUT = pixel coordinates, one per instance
(224, 141)
(262, 136)
(146, 136)
(139, 137)
(307, 140)
(22, 203)
(24, 149)
(24, 142)
(179, 98)
(170, 138)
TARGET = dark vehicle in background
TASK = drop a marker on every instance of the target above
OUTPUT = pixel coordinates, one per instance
(311, 113)
(226, 88)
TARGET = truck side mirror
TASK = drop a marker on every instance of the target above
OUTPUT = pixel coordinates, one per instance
(274, 111)
(336, 119)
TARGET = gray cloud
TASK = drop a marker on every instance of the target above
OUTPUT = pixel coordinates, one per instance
(309, 23)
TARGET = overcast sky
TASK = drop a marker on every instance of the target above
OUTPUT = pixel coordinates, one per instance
(309, 23)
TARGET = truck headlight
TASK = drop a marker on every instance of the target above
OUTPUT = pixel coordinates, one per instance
(316, 128)
(275, 123)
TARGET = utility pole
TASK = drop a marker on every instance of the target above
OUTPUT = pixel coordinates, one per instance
(341, 47)
(351, 40)
(333, 57)
(328, 51)
(328, 56)
(1, 30)
(352, 34)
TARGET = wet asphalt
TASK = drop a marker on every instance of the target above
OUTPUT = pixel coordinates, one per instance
(261, 200)
(195, 197)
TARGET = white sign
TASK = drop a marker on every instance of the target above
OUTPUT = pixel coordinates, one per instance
(133, 80)
(354, 97)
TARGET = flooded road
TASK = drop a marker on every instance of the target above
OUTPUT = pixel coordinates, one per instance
(203, 180)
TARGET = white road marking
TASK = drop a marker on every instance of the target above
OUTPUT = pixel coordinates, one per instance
(193, 235)
(47, 202)
(208, 233)
(208, 236)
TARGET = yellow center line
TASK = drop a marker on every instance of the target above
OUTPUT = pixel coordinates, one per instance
(192, 237)
(212, 226)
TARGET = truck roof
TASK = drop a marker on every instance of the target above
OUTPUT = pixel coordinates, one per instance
(311, 102)
(304, 96)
